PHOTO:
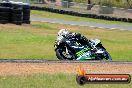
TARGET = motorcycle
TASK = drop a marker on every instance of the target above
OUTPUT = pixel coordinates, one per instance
(71, 49)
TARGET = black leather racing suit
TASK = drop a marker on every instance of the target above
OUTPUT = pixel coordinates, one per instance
(81, 39)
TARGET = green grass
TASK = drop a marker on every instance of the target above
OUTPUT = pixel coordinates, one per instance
(74, 18)
(25, 43)
(36, 41)
(50, 81)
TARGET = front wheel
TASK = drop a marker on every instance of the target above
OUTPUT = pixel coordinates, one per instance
(61, 55)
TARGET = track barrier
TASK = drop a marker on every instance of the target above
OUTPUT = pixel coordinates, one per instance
(14, 12)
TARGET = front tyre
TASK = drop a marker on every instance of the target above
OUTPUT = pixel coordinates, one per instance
(61, 55)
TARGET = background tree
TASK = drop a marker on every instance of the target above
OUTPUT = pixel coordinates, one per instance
(129, 4)
(90, 5)
(89, 1)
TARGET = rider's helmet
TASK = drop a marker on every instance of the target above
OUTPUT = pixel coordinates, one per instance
(63, 32)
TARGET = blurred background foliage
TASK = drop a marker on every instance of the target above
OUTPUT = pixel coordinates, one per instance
(113, 3)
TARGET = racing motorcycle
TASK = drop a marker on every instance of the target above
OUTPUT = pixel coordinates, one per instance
(71, 49)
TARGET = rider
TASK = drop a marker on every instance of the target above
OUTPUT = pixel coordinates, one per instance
(67, 34)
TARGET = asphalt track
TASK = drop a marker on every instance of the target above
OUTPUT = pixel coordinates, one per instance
(27, 67)
(79, 23)
(61, 61)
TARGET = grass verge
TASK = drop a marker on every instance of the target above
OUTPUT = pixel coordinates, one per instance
(50, 81)
(36, 41)
(74, 18)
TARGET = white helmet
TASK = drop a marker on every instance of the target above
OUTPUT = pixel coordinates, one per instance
(63, 32)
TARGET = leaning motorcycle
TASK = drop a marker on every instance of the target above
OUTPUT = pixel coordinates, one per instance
(71, 49)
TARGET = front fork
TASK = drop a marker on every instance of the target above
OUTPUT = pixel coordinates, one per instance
(66, 50)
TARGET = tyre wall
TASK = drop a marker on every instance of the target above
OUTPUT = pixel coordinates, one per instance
(16, 13)
(73, 13)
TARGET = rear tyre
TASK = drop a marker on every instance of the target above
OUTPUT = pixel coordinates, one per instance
(108, 56)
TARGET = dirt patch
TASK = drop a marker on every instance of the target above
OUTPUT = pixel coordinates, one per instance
(30, 68)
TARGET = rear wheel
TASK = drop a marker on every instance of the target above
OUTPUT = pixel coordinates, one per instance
(103, 56)
(107, 56)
